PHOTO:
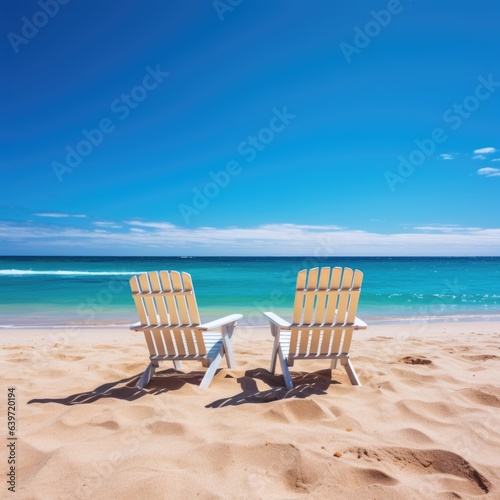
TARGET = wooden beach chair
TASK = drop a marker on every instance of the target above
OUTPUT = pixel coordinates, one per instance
(171, 324)
(324, 319)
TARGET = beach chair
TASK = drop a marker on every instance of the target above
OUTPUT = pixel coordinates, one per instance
(324, 319)
(171, 324)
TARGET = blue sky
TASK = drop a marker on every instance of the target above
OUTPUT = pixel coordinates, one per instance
(231, 127)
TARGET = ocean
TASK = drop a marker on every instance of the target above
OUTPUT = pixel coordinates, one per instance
(44, 291)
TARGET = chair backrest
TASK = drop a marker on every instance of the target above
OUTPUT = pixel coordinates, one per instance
(165, 298)
(326, 297)
(324, 312)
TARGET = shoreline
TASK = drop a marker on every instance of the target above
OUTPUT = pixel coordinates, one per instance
(371, 321)
(398, 331)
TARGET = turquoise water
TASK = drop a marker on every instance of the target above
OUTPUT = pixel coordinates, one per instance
(95, 290)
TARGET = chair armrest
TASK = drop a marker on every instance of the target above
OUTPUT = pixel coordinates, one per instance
(232, 318)
(359, 324)
(136, 326)
(274, 318)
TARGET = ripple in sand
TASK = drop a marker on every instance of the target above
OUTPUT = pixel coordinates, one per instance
(432, 411)
(412, 435)
(428, 462)
(167, 428)
(480, 357)
(302, 410)
(107, 424)
(375, 476)
(483, 398)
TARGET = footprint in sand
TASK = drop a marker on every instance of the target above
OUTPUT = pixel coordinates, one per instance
(440, 463)
(480, 357)
(415, 360)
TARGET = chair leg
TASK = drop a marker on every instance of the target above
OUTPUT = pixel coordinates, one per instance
(146, 376)
(273, 361)
(178, 365)
(285, 370)
(227, 332)
(209, 374)
(334, 363)
(275, 348)
(346, 362)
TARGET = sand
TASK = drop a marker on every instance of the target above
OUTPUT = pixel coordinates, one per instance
(424, 424)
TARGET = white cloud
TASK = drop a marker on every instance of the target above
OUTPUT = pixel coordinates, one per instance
(485, 151)
(447, 156)
(164, 238)
(59, 215)
(479, 157)
(112, 225)
(496, 159)
(489, 172)
(447, 228)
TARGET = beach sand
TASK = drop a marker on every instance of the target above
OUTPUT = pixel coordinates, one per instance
(424, 424)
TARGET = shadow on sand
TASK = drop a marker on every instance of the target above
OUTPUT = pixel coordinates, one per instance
(305, 385)
(163, 381)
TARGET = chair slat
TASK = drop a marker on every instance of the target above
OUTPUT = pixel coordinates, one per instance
(190, 342)
(344, 298)
(191, 300)
(335, 278)
(161, 308)
(167, 337)
(346, 345)
(326, 341)
(179, 341)
(148, 300)
(312, 284)
(148, 335)
(299, 297)
(180, 299)
(160, 346)
(139, 304)
(333, 295)
(354, 299)
(304, 340)
(337, 338)
(293, 341)
(169, 299)
(315, 340)
(324, 278)
(200, 342)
